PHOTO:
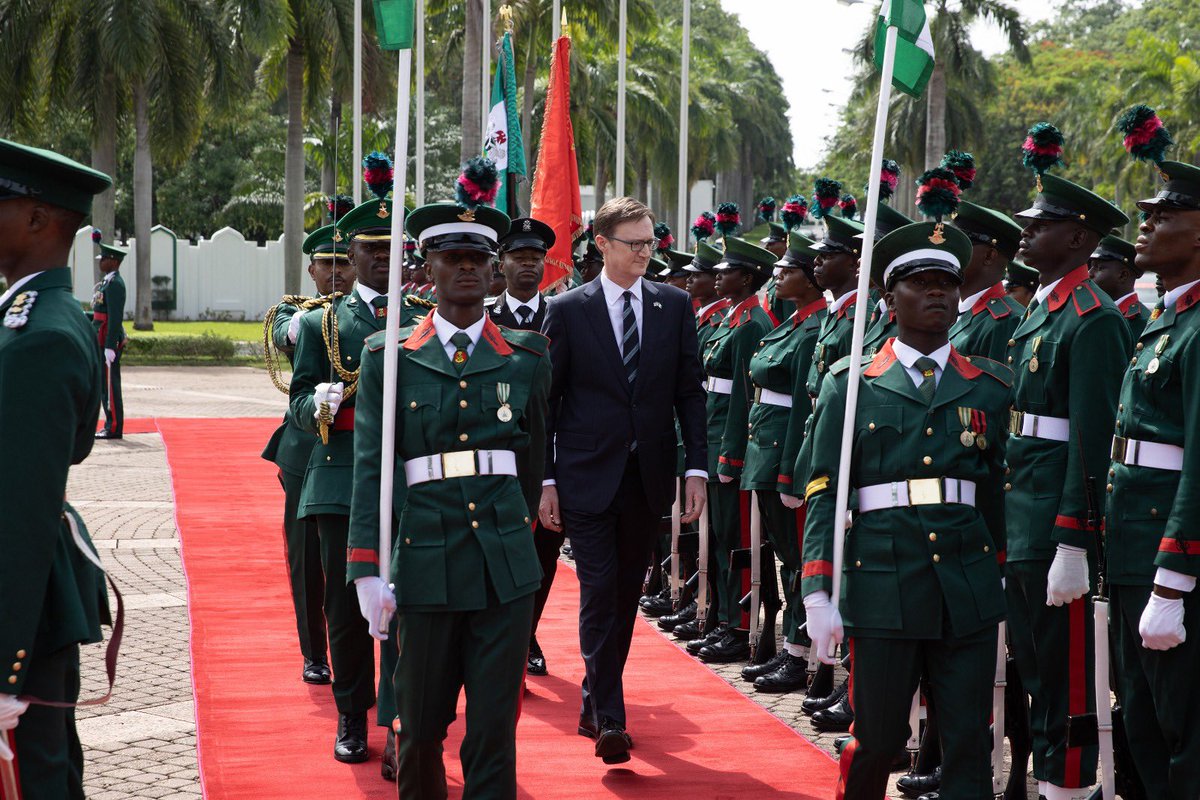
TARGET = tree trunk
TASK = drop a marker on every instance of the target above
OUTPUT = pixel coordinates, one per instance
(104, 158)
(935, 116)
(143, 198)
(600, 176)
(643, 184)
(527, 120)
(329, 185)
(472, 81)
(293, 170)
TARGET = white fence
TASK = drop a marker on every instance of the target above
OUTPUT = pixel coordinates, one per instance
(225, 277)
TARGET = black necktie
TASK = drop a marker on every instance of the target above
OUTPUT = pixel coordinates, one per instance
(461, 342)
(524, 313)
(927, 367)
(380, 305)
(629, 338)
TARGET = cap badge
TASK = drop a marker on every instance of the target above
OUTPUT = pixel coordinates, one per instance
(468, 215)
(383, 212)
(528, 226)
(937, 237)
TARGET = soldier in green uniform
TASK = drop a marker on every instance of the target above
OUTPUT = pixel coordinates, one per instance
(776, 242)
(987, 315)
(1068, 356)
(470, 422)
(1112, 267)
(779, 370)
(836, 270)
(51, 584)
(290, 448)
(1150, 530)
(108, 311)
(726, 358)
(1020, 282)
(922, 588)
(323, 395)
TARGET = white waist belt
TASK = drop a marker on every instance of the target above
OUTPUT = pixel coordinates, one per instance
(719, 385)
(1054, 428)
(772, 398)
(1136, 453)
(915, 492)
(460, 464)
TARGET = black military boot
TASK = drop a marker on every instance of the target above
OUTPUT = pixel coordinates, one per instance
(734, 646)
(836, 718)
(822, 682)
(753, 671)
(790, 676)
(350, 747)
(390, 765)
(812, 705)
(669, 622)
(916, 785)
(657, 605)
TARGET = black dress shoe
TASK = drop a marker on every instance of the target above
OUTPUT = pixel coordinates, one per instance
(107, 435)
(567, 551)
(390, 765)
(836, 718)
(839, 744)
(917, 785)
(659, 605)
(536, 662)
(351, 744)
(588, 728)
(752, 671)
(790, 676)
(315, 672)
(734, 646)
(811, 705)
(669, 622)
(694, 646)
(929, 796)
(613, 743)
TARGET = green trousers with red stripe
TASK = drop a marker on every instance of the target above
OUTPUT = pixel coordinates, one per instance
(1055, 651)
(729, 519)
(785, 528)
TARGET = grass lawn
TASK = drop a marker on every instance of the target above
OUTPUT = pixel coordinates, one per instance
(235, 331)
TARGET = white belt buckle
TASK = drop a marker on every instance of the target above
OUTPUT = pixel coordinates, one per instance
(925, 491)
(459, 464)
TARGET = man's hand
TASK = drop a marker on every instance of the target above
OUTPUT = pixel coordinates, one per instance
(377, 604)
(549, 513)
(11, 710)
(330, 393)
(824, 625)
(725, 478)
(693, 499)
(789, 501)
(110, 356)
(1161, 625)
(1068, 577)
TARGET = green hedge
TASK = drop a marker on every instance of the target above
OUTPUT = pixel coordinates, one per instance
(207, 345)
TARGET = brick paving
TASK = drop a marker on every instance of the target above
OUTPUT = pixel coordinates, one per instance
(142, 743)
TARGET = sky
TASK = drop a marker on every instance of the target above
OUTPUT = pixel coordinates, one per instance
(805, 40)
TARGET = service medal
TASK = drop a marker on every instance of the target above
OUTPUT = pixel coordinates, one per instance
(504, 413)
(1152, 367)
(981, 441)
(967, 438)
(1033, 364)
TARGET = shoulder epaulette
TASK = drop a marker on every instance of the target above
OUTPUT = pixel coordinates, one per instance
(843, 364)
(378, 340)
(1085, 299)
(532, 341)
(998, 308)
(18, 313)
(419, 302)
(998, 371)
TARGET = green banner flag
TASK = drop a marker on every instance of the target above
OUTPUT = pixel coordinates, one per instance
(504, 144)
(914, 44)
(394, 24)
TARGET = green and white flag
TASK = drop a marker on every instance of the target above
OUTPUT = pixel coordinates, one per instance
(504, 144)
(914, 44)
(394, 24)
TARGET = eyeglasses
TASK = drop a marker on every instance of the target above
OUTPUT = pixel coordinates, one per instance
(639, 246)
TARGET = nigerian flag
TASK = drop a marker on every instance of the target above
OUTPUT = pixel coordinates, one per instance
(504, 144)
(914, 45)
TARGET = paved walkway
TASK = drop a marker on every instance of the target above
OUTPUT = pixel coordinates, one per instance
(142, 744)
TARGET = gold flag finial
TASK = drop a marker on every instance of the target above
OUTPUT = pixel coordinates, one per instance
(563, 26)
(506, 16)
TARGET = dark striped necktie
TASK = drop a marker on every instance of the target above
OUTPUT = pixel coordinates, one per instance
(927, 367)
(630, 346)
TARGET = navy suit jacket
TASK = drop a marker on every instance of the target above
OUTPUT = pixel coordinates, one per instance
(595, 415)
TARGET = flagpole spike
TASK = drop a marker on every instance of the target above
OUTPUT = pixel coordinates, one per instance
(564, 23)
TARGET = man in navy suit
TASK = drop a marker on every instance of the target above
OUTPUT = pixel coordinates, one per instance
(625, 365)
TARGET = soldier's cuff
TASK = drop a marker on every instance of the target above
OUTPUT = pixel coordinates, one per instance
(816, 577)
(732, 467)
(361, 563)
(1170, 579)
(1180, 556)
(1076, 532)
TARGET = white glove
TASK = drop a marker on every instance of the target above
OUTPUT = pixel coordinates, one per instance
(110, 356)
(327, 393)
(1161, 626)
(11, 710)
(376, 603)
(824, 625)
(791, 502)
(294, 328)
(725, 478)
(1068, 578)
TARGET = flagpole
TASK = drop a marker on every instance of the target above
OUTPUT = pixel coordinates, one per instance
(387, 464)
(486, 92)
(620, 172)
(555, 27)
(357, 134)
(860, 318)
(684, 82)
(420, 125)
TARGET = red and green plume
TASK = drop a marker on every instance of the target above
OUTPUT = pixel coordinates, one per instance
(729, 217)
(826, 193)
(766, 209)
(889, 178)
(339, 205)
(849, 206)
(962, 165)
(704, 226)
(662, 232)
(1043, 148)
(377, 173)
(794, 211)
(937, 193)
(1146, 138)
(97, 235)
(478, 184)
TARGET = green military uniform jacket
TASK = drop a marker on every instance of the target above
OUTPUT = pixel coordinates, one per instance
(833, 343)
(290, 446)
(50, 387)
(781, 365)
(909, 569)
(458, 539)
(1135, 313)
(1151, 519)
(780, 310)
(1068, 356)
(108, 312)
(985, 328)
(329, 476)
(709, 320)
(882, 327)
(727, 355)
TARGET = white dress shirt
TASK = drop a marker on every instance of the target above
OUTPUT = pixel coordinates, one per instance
(837, 304)
(1172, 297)
(445, 330)
(367, 293)
(533, 304)
(909, 355)
(701, 312)
(967, 303)
(614, 299)
(1044, 291)
(17, 286)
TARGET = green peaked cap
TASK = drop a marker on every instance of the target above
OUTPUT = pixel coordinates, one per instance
(775, 233)
(1021, 275)
(112, 251)
(740, 254)
(45, 175)
(321, 241)
(986, 226)
(1114, 248)
(1181, 188)
(373, 217)
(917, 248)
(800, 251)
(1060, 199)
(841, 236)
(449, 226)
(706, 258)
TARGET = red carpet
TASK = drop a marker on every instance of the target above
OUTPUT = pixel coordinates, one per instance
(264, 734)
